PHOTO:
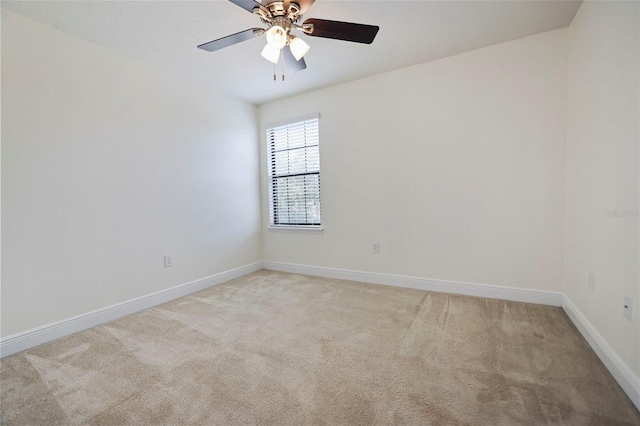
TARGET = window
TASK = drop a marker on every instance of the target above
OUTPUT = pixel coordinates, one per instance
(294, 173)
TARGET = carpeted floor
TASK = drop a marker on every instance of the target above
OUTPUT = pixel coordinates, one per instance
(275, 348)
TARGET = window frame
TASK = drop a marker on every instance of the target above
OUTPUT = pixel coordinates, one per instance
(271, 180)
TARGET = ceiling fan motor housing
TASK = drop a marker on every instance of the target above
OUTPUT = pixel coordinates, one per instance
(279, 13)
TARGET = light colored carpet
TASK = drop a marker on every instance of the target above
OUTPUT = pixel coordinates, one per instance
(275, 348)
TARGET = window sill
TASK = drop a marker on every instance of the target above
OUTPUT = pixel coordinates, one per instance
(311, 229)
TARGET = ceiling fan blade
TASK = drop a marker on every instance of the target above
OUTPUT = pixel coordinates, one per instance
(304, 5)
(347, 31)
(231, 39)
(247, 5)
(290, 60)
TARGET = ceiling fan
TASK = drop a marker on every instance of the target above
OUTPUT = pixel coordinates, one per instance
(281, 17)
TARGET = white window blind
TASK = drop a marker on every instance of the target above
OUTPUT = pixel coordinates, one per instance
(294, 174)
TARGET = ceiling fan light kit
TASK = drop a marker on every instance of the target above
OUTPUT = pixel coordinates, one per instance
(270, 53)
(277, 37)
(298, 46)
(282, 17)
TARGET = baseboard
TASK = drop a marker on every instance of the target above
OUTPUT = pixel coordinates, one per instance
(37, 336)
(428, 284)
(620, 371)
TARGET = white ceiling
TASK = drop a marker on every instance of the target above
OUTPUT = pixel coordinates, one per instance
(164, 34)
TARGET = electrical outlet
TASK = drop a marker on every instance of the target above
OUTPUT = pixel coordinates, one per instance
(375, 248)
(168, 260)
(628, 308)
(592, 280)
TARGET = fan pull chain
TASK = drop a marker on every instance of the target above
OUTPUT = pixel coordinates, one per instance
(275, 78)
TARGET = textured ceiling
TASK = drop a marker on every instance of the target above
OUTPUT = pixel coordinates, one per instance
(164, 34)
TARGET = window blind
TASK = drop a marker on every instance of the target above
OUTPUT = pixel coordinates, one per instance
(294, 174)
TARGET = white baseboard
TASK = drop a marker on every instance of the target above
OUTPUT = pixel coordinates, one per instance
(37, 336)
(620, 371)
(442, 286)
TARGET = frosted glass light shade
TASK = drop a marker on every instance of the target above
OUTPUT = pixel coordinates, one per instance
(298, 47)
(277, 37)
(270, 53)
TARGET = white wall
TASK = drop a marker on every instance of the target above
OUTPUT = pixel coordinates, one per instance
(107, 165)
(602, 170)
(455, 166)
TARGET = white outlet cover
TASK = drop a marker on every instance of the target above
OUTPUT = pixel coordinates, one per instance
(628, 308)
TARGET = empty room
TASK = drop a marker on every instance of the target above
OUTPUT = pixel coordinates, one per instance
(238, 212)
